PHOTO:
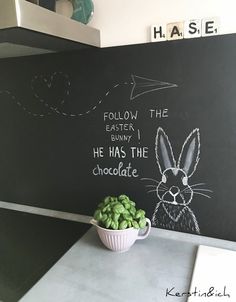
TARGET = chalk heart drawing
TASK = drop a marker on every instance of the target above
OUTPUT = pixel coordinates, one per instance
(174, 191)
(51, 90)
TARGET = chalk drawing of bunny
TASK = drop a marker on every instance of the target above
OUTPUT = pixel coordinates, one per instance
(173, 191)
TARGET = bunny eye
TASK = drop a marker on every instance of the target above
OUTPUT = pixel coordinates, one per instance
(164, 179)
(185, 180)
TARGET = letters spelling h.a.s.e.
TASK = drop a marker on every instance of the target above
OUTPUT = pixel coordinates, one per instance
(185, 29)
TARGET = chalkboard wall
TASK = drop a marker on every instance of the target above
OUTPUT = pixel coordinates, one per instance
(155, 121)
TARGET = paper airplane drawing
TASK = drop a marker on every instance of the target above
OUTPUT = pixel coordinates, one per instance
(143, 85)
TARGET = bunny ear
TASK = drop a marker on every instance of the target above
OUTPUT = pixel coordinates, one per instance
(164, 153)
(190, 153)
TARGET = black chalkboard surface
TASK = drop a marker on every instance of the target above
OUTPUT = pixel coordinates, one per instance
(155, 121)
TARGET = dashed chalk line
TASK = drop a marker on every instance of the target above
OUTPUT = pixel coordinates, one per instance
(48, 81)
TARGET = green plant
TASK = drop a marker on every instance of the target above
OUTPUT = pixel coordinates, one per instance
(119, 213)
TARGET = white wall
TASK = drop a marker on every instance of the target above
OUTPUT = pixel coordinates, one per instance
(128, 21)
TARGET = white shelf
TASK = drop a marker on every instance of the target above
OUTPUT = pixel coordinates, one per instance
(23, 15)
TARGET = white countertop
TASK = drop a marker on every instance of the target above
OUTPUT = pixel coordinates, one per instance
(90, 272)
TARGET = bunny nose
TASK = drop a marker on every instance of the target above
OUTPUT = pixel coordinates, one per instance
(174, 190)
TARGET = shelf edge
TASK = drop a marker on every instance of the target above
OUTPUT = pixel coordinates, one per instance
(20, 13)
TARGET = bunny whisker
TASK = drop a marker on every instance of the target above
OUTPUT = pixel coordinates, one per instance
(151, 191)
(154, 191)
(151, 179)
(198, 193)
(206, 190)
(161, 186)
(186, 190)
(195, 185)
(157, 188)
(199, 184)
(158, 182)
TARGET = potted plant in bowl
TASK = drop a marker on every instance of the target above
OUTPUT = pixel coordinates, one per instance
(118, 223)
